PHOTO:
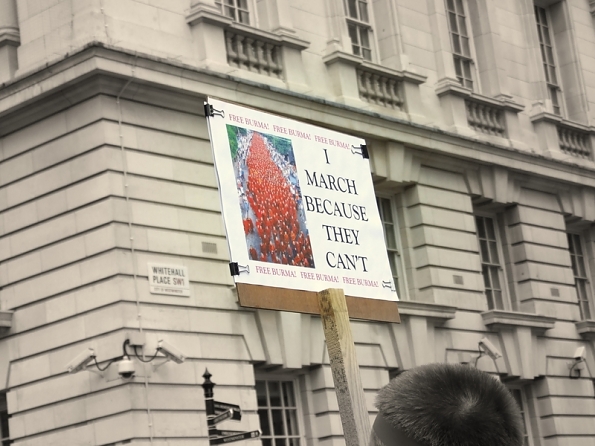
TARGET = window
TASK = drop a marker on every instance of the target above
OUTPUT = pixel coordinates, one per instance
(491, 263)
(547, 56)
(521, 399)
(278, 412)
(358, 25)
(236, 9)
(4, 434)
(575, 246)
(461, 45)
(389, 224)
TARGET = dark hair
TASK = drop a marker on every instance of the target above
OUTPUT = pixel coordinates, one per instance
(451, 405)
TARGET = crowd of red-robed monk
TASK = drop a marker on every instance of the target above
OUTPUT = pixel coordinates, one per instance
(276, 211)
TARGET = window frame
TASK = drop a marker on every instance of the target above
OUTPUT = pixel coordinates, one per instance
(554, 89)
(361, 27)
(297, 392)
(459, 58)
(395, 252)
(502, 273)
(234, 5)
(531, 434)
(4, 417)
(588, 293)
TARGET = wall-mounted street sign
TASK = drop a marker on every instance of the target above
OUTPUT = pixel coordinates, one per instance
(299, 207)
(168, 279)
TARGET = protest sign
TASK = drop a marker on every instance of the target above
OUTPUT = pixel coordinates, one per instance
(298, 205)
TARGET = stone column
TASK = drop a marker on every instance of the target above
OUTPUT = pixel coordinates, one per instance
(9, 39)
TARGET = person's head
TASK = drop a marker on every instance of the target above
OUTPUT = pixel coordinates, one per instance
(446, 405)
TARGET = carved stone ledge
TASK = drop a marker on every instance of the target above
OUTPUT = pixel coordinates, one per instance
(5, 321)
(202, 14)
(438, 314)
(356, 79)
(586, 329)
(468, 112)
(498, 319)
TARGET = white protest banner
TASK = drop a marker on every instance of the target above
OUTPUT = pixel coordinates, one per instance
(168, 279)
(298, 205)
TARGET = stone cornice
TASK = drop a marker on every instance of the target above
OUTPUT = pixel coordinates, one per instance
(450, 86)
(55, 80)
(361, 63)
(437, 313)
(499, 319)
(9, 36)
(282, 37)
(586, 329)
(5, 321)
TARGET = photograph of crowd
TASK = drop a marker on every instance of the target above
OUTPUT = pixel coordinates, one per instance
(270, 198)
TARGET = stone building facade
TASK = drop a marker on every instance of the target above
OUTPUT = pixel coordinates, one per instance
(479, 116)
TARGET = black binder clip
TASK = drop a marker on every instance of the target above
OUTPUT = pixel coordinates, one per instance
(388, 284)
(361, 150)
(235, 269)
(210, 111)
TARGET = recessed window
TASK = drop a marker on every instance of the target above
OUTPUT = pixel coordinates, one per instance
(4, 435)
(236, 9)
(359, 28)
(389, 224)
(581, 279)
(491, 261)
(461, 44)
(278, 412)
(547, 56)
(521, 400)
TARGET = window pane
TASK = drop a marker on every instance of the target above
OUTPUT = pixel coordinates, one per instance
(267, 442)
(243, 4)
(291, 420)
(352, 12)
(387, 214)
(353, 35)
(280, 442)
(494, 253)
(261, 393)
(230, 12)
(467, 69)
(578, 249)
(499, 305)
(462, 26)
(460, 9)
(480, 227)
(549, 55)
(364, 38)
(485, 254)
(490, 228)
(456, 44)
(495, 275)
(288, 395)
(263, 416)
(278, 425)
(546, 37)
(490, 300)
(274, 394)
(486, 277)
(363, 12)
(294, 442)
(465, 46)
(244, 18)
(453, 22)
(450, 5)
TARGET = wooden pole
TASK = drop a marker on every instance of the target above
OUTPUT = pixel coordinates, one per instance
(344, 366)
